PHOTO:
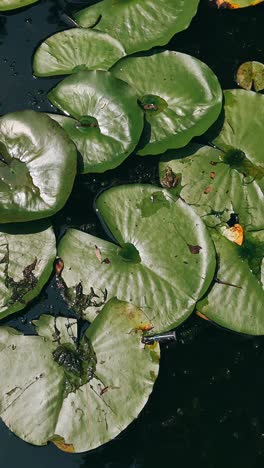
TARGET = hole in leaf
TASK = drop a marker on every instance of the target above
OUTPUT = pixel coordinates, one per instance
(152, 104)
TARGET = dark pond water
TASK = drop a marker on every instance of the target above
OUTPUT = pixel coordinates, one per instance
(207, 408)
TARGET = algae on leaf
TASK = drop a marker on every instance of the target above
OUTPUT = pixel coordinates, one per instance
(79, 396)
(180, 96)
(163, 262)
(27, 253)
(74, 50)
(107, 121)
(37, 166)
(140, 24)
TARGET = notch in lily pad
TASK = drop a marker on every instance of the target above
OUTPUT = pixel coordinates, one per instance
(180, 95)
(76, 50)
(106, 122)
(228, 175)
(163, 259)
(250, 75)
(77, 395)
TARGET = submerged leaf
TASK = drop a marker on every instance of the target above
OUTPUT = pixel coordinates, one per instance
(74, 50)
(163, 263)
(107, 121)
(180, 95)
(141, 24)
(77, 396)
(26, 261)
(37, 166)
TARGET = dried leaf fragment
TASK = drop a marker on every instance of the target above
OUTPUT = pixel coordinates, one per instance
(61, 444)
(234, 234)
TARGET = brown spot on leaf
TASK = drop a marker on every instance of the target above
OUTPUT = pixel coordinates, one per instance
(194, 249)
(208, 189)
(104, 390)
(212, 175)
(98, 253)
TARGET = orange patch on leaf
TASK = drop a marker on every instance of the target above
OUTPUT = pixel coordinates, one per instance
(60, 443)
(231, 5)
(208, 189)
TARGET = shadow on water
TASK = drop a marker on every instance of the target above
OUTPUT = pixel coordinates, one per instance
(207, 408)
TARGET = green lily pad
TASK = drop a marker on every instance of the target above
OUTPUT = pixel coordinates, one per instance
(180, 95)
(77, 396)
(37, 166)
(251, 75)
(13, 4)
(237, 3)
(236, 298)
(27, 253)
(163, 260)
(108, 121)
(74, 50)
(141, 24)
(228, 177)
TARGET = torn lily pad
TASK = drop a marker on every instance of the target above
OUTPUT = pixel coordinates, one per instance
(141, 24)
(79, 396)
(74, 50)
(162, 262)
(37, 166)
(251, 75)
(13, 4)
(227, 177)
(237, 3)
(180, 96)
(107, 121)
(236, 297)
(27, 253)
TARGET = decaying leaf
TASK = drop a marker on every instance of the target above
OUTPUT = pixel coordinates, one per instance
(251, 75)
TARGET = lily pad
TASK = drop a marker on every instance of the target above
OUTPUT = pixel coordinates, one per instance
(237, 4)
(74, 50)
(162, 262)
(228, 177)
(141, 24)
(236, 298)
(77, 396)
(251, 75)
(180, 95)
(13, 4)
(108, 121)
(27, 253)
(37, 166)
